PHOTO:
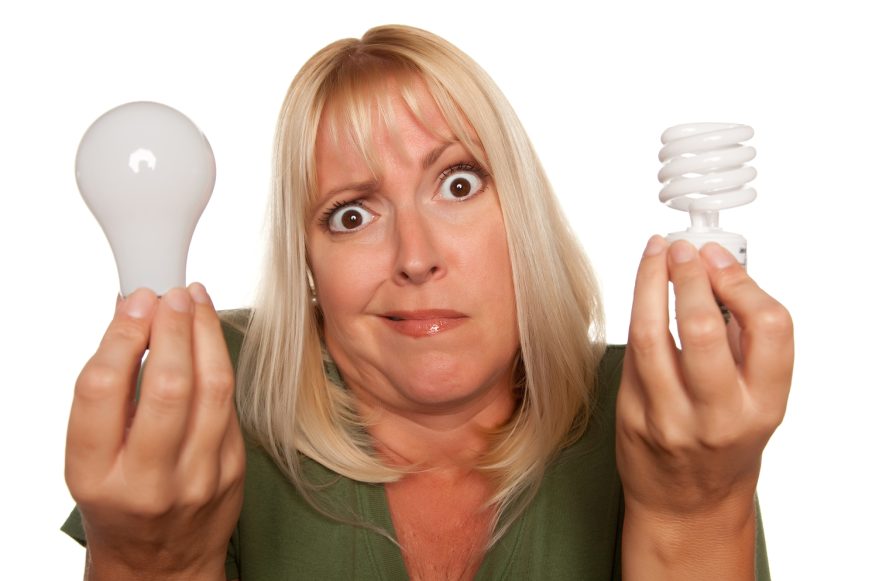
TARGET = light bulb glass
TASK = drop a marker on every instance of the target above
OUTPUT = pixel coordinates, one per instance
(704, 172)
(146, 172)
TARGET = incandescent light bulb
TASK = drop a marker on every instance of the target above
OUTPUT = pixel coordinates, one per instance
(146, 172)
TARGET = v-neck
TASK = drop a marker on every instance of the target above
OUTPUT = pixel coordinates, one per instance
(387, 558)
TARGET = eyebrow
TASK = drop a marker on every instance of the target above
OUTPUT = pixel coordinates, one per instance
(368, 186)
(434, 155)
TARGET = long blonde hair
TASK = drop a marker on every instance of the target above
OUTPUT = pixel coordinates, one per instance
(286, 399)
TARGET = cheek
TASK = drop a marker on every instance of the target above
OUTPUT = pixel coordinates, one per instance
(345, 279)
(486, 257)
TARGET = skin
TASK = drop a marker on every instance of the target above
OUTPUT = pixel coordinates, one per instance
(148, 485)
(430, 400)
(691, 423)
(423, 249)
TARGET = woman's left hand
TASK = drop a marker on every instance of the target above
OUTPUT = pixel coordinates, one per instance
(692, 422)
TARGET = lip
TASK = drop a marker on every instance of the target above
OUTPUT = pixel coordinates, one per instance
(423, 323)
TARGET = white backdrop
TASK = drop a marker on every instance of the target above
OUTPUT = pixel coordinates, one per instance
(594, 85)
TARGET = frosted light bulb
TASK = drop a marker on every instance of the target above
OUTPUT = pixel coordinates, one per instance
(704, 171)
(146, 172)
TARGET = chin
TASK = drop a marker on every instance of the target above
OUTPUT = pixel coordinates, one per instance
(447, 382)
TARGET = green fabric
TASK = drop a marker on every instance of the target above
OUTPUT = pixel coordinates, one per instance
(571, 530)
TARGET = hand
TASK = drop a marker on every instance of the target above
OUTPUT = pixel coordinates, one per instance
(692, 423)
(158, 484)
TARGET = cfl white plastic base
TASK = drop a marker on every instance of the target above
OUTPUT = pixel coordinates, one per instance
(734, 243)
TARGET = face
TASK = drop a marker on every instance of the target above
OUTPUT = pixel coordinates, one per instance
(412, 268)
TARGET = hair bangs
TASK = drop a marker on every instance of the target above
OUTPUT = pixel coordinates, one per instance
(356, 107)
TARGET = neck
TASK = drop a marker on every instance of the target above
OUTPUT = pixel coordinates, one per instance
(448, 440)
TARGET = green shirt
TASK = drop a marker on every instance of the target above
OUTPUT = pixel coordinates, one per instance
(570, 531)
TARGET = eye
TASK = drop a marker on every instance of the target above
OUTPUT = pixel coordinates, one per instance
(346, 217)
(461, 182)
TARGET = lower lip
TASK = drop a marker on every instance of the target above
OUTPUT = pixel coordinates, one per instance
(424, 327)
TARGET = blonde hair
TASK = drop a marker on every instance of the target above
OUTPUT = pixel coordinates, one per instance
(286, 399)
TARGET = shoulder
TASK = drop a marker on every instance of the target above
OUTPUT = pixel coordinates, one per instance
(611, 362)
(609, 378)
(598, 432)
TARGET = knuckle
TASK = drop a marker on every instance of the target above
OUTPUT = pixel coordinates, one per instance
(216, 388)
(644, 338)
(771, 419)
(127, 331)
(731, 278)
(701, 329)
(99, 380)
(166, 387)
(82, 491)
(153, 497)
(233, 463)
(199, 492)
(775, 320)
(720, 435)
(667, 436)
(151, 503)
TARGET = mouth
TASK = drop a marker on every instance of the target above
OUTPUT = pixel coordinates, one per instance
(423, 315)
(423, 323)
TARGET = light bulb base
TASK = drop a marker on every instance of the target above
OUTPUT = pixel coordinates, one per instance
(734, 243)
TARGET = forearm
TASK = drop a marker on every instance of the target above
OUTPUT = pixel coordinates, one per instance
(719, 544)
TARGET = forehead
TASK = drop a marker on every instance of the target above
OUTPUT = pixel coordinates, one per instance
(359, 133)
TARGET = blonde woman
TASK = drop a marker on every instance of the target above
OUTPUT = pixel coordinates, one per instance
(422, 385)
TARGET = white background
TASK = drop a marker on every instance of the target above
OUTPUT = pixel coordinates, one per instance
(595, 85)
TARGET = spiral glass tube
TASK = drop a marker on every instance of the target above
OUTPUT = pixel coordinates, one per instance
(704, 172)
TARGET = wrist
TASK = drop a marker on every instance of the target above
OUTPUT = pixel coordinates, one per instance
(715, 543)
(102, 568)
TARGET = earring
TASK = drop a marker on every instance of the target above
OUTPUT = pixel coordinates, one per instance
(314, 297)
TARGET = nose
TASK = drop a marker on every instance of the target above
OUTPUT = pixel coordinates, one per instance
(418, 257)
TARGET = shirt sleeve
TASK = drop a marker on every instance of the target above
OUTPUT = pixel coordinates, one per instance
(73, 527)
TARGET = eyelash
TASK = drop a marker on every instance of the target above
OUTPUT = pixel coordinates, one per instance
(324, 220)
(470, 166)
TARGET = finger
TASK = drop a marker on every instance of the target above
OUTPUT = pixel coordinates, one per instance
(213, 404)
(233, 459)
(766, 340)
(651, 347)
(161, 420)
(104, 389)
(707, 363)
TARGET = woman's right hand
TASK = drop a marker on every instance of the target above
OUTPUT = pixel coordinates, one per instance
(158, 483)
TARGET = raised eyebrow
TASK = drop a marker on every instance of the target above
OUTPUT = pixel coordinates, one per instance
(435, 154)
(362, 188)
(369, 186)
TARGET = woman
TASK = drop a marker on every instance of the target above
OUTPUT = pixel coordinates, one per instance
(423, 382)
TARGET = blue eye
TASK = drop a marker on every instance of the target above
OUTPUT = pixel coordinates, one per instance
(349, 217)
(461, 182)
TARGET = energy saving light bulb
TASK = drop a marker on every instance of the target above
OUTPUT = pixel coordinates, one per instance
(704, 172)
(146, 172)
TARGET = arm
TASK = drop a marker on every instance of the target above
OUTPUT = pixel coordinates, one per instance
(693, 422)
(158, 484)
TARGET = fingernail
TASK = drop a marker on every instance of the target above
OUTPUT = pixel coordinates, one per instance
(717, 255)
(655, 245)
(137, 304)
(199, 294)
(682, 251)
(178, 300)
